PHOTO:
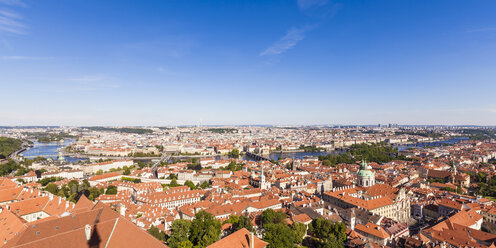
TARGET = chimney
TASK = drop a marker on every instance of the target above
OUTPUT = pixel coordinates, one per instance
(123, 210)
(252, 240)
(87, 232)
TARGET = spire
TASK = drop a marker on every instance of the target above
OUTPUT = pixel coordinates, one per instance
(262, 178)
(363, 165)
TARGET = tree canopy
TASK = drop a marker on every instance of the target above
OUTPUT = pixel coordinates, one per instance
(9, 145)
(179, 232)
(205, 229)
(201, 232)
(379, 153)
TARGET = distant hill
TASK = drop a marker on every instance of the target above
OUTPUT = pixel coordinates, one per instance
(9, 145)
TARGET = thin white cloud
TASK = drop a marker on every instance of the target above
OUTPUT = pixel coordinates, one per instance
(486, 29)
(10, 23)
(23, 58)
(87, 79)
(90, 83)
(288, 41)
(307, 4)
(18, 3)
(6, 44)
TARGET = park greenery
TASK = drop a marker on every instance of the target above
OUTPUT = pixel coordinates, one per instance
(480, 134)
(379, 153)
(9, 167)
(8, 146)
(485, 186)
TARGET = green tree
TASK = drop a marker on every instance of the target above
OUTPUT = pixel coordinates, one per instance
(179, 233)
(243, 222)
(52, 188)
(205, 229)
(233, 219)
(45, 181)
(299, 231)
(9, 167)
(9, 145)
(234, 153)
(278, 235)
(111, 190)
(185, 244)
(328, 234)
(157, 233)
(172, 176)
(21, 171)
(174, 183)
(93, 193)
(270, 216)
(190, 184)
(126, 171)
(205, 185)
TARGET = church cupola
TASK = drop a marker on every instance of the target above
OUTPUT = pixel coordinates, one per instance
(365, 177)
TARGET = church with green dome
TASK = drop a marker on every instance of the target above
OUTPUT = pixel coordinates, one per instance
(366, 177)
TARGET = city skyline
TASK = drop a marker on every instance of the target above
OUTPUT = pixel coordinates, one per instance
(306, 62)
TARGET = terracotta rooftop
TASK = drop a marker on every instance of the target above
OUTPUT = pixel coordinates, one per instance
(239, 239)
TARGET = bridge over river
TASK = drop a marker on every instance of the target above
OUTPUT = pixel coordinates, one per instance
(257, 157)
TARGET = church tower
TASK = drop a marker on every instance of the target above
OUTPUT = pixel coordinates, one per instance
(453, 168)
(366, 177)
(263, 184)
(327, 185)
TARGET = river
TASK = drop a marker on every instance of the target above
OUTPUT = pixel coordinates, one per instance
(50, 150)
(432, 143)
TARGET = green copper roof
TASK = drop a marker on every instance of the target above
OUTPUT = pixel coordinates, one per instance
(364, 170)
(365, 173)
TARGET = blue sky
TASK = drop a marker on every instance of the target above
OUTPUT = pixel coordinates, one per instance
(247, 62)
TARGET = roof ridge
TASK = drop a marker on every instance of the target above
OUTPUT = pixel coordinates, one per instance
(112, 232)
